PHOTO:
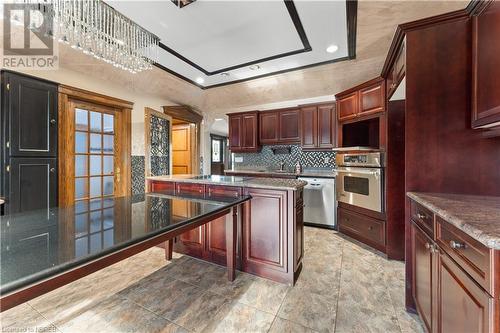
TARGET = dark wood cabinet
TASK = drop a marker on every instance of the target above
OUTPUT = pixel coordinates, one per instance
(347, 106)
(31, 111)
(268, 129)
(279, 126)
(365, 99)
(32, 183)
(318, 127)
(289, 126)
(243, 132)
(424, 278)
(365, 228)
(486, 66)
(396, 73)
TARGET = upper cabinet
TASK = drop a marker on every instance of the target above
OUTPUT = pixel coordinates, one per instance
(486, 67)
(396, 73)
(318, 130)
(279, 126)
(365, 99)
(243, 132)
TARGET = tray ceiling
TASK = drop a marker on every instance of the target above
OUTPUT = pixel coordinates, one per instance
(213, 43)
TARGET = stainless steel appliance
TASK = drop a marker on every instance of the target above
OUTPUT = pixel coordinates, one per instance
(360, 179)
(319, 202)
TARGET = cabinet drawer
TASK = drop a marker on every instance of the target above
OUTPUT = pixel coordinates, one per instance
(363, 226)
(183, 188)
(223, 191)
(472, 256)
(423, 217)
(162, 186)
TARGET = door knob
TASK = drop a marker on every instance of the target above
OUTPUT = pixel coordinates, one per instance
(52, 170)
(52, 121)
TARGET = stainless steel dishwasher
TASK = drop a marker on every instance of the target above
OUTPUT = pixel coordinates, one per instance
(320, 207)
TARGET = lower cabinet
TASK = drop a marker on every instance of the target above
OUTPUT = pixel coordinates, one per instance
(447, 298)
(362, 227)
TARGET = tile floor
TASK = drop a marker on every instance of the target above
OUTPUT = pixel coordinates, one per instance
(343, 287)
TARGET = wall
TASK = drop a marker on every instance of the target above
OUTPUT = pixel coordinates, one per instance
(266, 159)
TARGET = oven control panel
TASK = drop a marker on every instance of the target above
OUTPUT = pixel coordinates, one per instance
(360, 159)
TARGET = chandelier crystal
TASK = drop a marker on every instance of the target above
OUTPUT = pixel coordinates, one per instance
(97, 29)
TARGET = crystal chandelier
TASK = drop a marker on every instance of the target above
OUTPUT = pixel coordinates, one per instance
(99, 30)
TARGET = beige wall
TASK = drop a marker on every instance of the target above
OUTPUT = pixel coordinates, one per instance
(90, 83)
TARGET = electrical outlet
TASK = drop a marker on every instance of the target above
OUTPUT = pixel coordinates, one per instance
(238, 159)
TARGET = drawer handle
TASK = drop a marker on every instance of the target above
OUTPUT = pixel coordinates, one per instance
(457, 245)
(421, 216)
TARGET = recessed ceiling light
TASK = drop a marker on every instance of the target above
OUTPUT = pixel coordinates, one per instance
(332, 48)
(254, 67)
(200, 80)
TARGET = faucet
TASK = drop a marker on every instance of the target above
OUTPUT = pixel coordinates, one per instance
(282, 165)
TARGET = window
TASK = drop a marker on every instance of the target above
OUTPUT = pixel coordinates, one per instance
(216, 151)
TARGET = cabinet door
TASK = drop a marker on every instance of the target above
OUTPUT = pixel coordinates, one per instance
(486, 67)
(249, 126)
(372, 99)
(32, 106)
(216, 240)
(463, 306)
(268, 129)
(235, 132)
(423, 281)
(326, 126)
(347, 106)
(289, 126)
(191, 242)
(33, 184)
(309, 127)
(264, 238)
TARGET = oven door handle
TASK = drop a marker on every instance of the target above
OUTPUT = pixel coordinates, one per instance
(362, 172)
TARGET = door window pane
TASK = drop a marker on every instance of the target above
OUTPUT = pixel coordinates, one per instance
(81, 120)
(107, 165)
(80, 142)
(81, 247)
(95, 165)
(95, 143)
(95, 204)
(108, 123)
(108, 185)
(95, 221)
(95, 187)
(216, 158)
(108, 144)
(108, 238)
(95, 242)
(81, 188)
(81, 224)
(95, 121)
(81, 167)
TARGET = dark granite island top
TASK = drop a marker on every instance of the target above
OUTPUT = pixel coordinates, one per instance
(477, 216)
(43, 244)
(248, 182)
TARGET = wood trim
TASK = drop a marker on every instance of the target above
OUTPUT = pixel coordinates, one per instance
(359, 87)
(184, 113)
(352, 24)
(148, 112)
(88, 96)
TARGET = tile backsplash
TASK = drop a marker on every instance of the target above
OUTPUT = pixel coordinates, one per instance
(268, 160)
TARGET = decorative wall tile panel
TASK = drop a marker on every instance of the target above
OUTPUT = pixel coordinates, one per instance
(268, 160)
(160, 144)
(138, 178)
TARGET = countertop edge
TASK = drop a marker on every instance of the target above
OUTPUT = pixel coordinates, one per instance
(470, 230)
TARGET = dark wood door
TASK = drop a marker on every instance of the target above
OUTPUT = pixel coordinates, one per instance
(235, 132)
(463, 306)
(347, 106)
(268, 127)
(32, 113)
(486, 66)
(309, 127)
(264, 231)
(289, 126)
(249, 123)
(423, 275)
(326, 126)
(33, 184)
(372, 99)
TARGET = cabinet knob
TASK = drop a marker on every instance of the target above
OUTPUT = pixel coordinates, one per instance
(421, 216)
(457, 245)
(52, 121)
(427, 245)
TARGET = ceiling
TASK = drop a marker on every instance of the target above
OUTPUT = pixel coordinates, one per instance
(214, 43)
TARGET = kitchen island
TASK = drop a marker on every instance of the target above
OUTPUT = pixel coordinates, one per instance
(270, 226)
(42, 250)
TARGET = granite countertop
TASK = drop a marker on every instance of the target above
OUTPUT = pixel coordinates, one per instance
(305, 173)
(477, 216)
(267, 183)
